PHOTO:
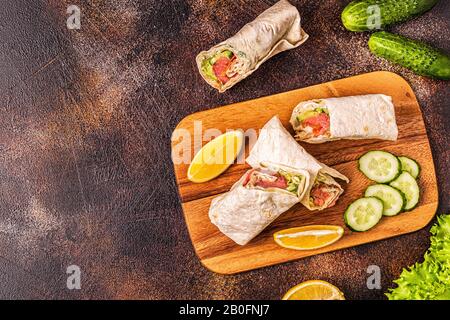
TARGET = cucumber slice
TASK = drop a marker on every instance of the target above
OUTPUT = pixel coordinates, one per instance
(410, 165)
(408, 185)
(363, 214)
(380, 166)
(393, 199)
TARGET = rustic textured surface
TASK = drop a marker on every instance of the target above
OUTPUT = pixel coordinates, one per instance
(86, 176)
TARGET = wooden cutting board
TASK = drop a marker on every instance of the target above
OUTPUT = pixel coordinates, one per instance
(220, 254)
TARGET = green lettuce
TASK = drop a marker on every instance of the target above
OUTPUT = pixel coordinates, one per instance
(429, 280)
(293, 181)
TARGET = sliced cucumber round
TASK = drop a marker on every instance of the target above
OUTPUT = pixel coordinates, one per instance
(393, 199)
(410, 165)
(380, 166)
(408, 185)
(363, 214)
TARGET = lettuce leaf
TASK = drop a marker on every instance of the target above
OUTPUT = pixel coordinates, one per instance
(293, 181)
(429, 280)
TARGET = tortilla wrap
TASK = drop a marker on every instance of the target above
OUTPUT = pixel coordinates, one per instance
(242, 213)
(369, 116)
(275, 30)
(275, 144)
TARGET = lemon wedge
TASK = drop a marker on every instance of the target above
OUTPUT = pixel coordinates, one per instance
(215, 157)
(314, 290)
(308, 237)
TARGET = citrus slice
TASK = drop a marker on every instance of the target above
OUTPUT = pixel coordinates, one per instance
(215, 157)
(314, 290)
(308, 237)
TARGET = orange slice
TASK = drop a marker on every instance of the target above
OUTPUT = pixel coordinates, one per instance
(308, 237)
(215, 157)
(314, 290)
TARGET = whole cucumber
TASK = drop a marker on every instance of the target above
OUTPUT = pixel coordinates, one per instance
(365, 15)
(414, 55)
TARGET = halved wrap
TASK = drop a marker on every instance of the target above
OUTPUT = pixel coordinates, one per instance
(275, 30)
(275, 144)
(257, 199)
(369, 116)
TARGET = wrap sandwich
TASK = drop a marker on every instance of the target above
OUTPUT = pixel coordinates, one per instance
(275, 144)
(369, 116)
(257, 199)
(275, 30)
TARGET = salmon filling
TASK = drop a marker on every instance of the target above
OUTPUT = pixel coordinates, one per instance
(322, 193)
(267, 179)
(221, 67)
(319, 124)
(313, 124)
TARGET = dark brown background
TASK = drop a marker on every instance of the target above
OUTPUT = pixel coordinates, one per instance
(86, 119)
